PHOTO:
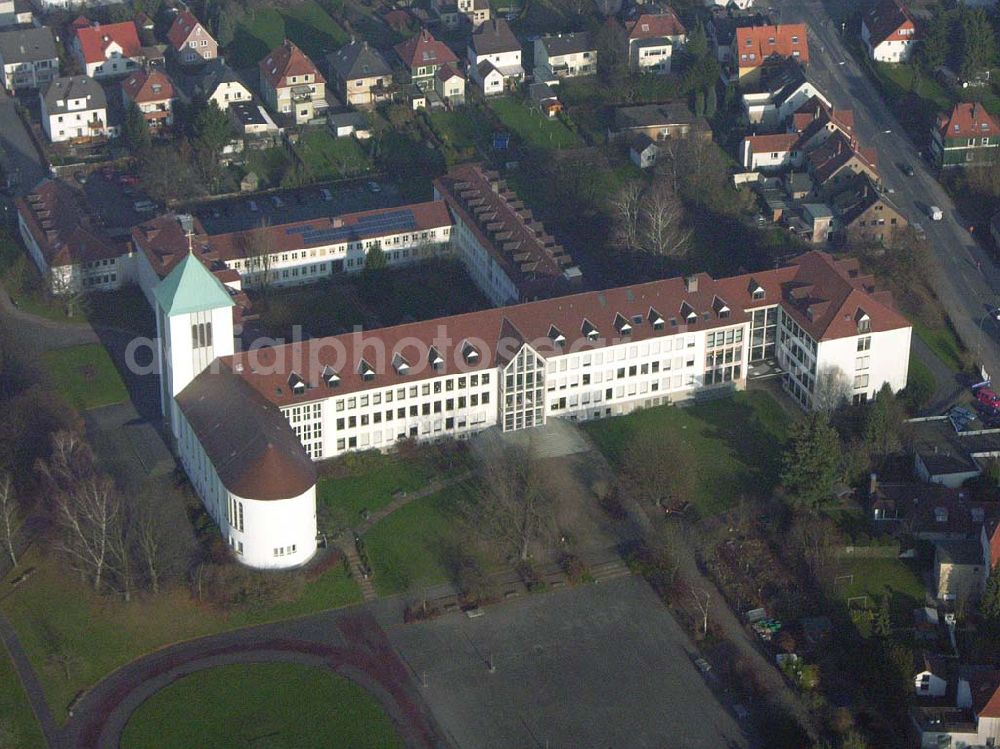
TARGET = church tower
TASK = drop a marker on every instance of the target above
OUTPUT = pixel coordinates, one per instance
(194, 326)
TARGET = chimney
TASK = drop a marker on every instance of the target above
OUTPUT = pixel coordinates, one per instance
(691, 283)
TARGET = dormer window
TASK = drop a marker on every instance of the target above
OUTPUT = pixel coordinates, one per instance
(400, 364)
(435, 359)
(330, 377)
(756, 291)
(588, 330)
(296, 383)
(721, 308)
(470, 353)
(864, 321)
(622, 325)
(556, 336)
(366, 371)
(655, 319)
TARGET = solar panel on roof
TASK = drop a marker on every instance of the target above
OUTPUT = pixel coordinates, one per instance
(365, 226)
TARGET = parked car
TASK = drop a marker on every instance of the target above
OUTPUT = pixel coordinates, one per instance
(80, 176)
(935, 213)
(906, 169)
(918, 229)
(988, 398)
(326, 195)
(374, 187)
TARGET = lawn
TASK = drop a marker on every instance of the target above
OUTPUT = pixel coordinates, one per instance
(328, 157)
(460, 130)
(18, 727)
(264, 28)
(531, 126)
(735, 443)
(85, 376)
(75, 637)
(270, 165)
(410, 548)
(260, 704)
(23, 283)
(942, 341)
(874, 577)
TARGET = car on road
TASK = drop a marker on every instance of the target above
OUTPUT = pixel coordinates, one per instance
(374, 187)
(995, 313)
(935, 213)
(80, 176)
(703, 665)
(907, 169)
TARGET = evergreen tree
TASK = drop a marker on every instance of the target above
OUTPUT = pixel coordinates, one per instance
(979, 43)
(135, 130)
(711, 102)
(935, 50)
(375, 260)
(883, 423)
(989, 605)
(812, 462)
(697, 42)
(212, 129)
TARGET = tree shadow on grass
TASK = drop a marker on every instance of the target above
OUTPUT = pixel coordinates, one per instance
(246, 49)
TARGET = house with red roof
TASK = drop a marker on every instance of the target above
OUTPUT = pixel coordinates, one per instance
(889, 32)
(754, 46)
(190, 41)
(422, 55)
(651, 38)
(106, 50)
(778, 151)
(153, 93)
(966, 136)
(291, 85)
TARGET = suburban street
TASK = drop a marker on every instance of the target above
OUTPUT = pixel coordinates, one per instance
(969, 282)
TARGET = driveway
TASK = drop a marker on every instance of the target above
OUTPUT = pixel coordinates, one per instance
(20, 157)
(968, 282)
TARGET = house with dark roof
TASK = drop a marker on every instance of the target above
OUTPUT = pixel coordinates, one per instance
(651, 38)
(659, 122)
(218, 83)
(449, 84)
(494, 57)
(966, 136)
(362, 75)
(190, 41)
(865, 213)
(565, 56)
(107, 50)
(422, 55)
(291, 85)
(75, 108)
(889, 32)
(454, 13)
(66, 243)
(28, 58)
(755, 46)
(783, 89)
(815, 121)
(153, 93)
(838, 160)
(944, 455)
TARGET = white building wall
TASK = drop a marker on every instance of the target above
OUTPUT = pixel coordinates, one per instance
(228, 93)
(482, 267)
(651, 59)
(886, 359)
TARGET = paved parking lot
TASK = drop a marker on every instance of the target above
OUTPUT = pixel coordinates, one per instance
(20, 157)
(598, 666)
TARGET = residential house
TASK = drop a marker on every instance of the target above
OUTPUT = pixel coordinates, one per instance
(818, 222)
(960, 569)
(652, 37)
(190, 41)
(889, 32)
(254, 123)
(930, 512)
(973, 722)
(565, 56)
(220, 83)
(74, 108)
(784, 89)
(643, 152)
(28, 58)
(363, 76)
(449, 84)
(16, 13)
(798, 185)
(815, 122)
(944, 455)
(721, 30)
(966, 136)
(422, 55)
(865, 212)
(926, 624)
(291, 85)
(153, 92)
(776, 152)
(835, 162)
(67, 246)
(543, 96)
(659, 122)
(494, 49)
(107, 50)
(353, 123)
(453, 14)
(755, 46)
(931, 679)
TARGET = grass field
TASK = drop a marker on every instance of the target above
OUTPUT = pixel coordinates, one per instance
(460, 128)
(329, 157)
(75, 637)
(263, 29)
(18, 727)
(875, 577)
(735, 443)
(261, 705)
(944, 342)
(85, 376)
(531, 126)
(24, 284)
(410, 548)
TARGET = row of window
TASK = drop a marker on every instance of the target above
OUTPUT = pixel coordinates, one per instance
(100, 280)
(424, 409)
(280, 551)
(426, 388)
(424, 429)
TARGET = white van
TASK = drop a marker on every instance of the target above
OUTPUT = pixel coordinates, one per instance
(935, 213)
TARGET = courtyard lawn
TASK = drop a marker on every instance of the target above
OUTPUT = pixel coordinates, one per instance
(18, 727)
(735, 443)
(410, 548)
(23, 283)
(328, 157)
(531, 126)
(264, 28)
(875, 577)
(85, 376)
(260, 704)
(75, 637)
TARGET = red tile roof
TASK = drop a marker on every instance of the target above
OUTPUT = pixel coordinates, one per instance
(59, 222)
(424, 50)
(824, 296)
(886, 19)
(764, 42)
(992, 707)
(95, 39)
(827, 159)
(779, 142)
(146, 87)
(654, 26)
(967, 120)
(165, 243)
(181, 29)
(287, 61)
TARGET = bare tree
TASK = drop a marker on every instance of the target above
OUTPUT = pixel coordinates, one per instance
(832, 389)
(71, 295)
(161, 538)
(658, 468)
(663, 232)
(627, 206)
(513, 507)
(89, 517)
(701, 600)
(10, 517)
(256, 244)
